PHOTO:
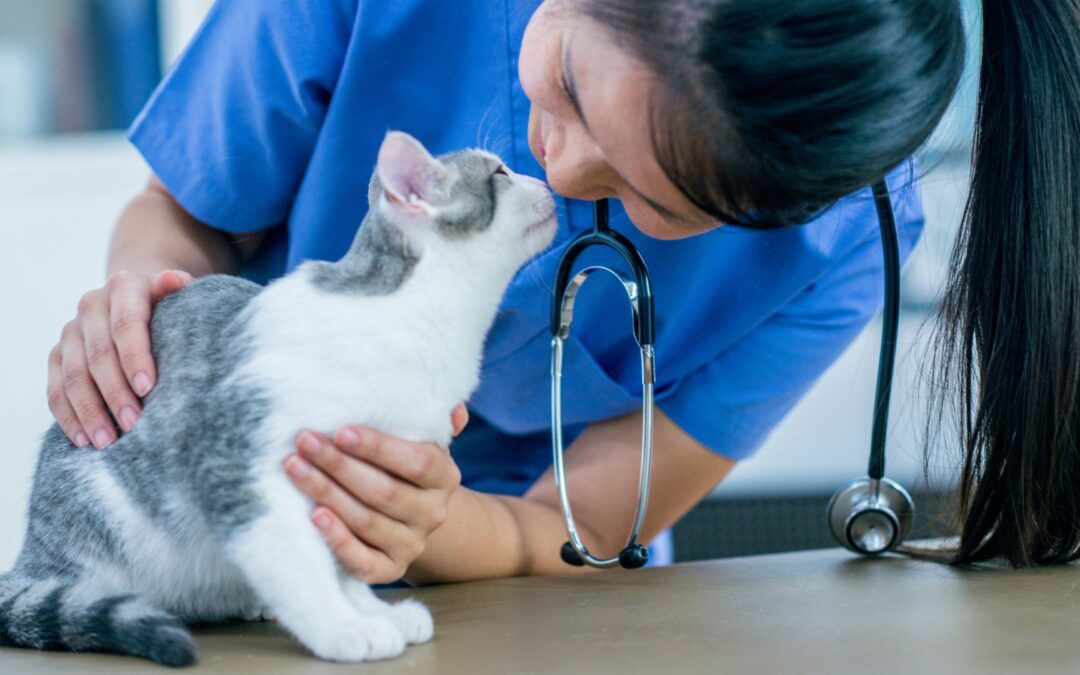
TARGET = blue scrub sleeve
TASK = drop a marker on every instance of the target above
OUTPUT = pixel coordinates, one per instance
(732, 403)
(233, 125)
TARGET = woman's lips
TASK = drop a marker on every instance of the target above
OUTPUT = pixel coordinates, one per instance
(540, 142)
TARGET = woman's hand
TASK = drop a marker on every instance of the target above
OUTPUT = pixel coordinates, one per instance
(379, 497)
(103, 363)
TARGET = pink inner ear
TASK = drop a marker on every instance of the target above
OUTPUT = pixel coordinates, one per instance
(406, 170)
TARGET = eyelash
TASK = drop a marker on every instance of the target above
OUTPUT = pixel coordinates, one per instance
(566, 91)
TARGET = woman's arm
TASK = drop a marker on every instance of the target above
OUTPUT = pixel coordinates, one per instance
(474, 535)
(155, 233)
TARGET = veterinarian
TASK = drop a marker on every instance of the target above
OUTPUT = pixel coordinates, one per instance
(694, 116)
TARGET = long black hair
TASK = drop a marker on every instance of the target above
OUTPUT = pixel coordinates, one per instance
(1010, 320)
(773, 109)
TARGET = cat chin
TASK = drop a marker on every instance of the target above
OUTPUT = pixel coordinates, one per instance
(541, 227)
(540, 234)
(532, 245)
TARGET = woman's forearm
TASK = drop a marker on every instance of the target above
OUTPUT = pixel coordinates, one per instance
(154, 233)
(488, 536)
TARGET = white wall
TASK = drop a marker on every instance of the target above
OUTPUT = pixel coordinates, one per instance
(179, 20)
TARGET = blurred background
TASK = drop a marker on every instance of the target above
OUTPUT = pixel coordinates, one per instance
(73, 75)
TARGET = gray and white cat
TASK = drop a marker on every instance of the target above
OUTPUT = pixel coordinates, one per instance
(189, 516)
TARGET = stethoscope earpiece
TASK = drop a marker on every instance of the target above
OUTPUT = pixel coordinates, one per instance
(570, 556)
(631, 557)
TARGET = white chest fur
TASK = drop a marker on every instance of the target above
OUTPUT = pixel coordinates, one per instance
(398, 362)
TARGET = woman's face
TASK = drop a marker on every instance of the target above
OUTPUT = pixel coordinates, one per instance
(589, 123)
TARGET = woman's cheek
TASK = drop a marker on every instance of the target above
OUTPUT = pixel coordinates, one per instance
(651, 223)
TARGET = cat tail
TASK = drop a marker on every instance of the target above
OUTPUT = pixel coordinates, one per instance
(58, 614)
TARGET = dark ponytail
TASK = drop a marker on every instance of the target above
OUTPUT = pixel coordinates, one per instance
(1010, 320)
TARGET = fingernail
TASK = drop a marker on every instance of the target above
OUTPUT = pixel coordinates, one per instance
(297, 468)
(349, 437)
(81, 440)
(322, 521)
(128, 417)
(309, 444)
(102, 438)
(142, 383)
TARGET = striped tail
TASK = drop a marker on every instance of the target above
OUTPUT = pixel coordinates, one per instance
(62, 615)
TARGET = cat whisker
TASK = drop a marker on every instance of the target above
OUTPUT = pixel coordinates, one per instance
(482, 136)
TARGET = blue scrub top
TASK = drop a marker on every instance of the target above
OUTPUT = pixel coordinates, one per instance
(273, 116)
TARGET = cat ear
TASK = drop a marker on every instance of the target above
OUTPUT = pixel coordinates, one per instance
(411, 178)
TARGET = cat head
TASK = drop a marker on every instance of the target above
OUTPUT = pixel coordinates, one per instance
(467, 200)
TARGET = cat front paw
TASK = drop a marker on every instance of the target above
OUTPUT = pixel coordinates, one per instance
(369, 639)
(414, 621)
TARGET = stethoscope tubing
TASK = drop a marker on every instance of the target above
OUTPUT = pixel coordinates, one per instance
(895, 502)
(889, 328)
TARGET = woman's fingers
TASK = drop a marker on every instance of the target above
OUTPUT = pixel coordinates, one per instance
(459, 418)
(379, 533)
(104, 363)
(379, 491)
(168, 281)
(387, 495)
(425, 465)
(81, 391)
(129, 329)
(59, 404)
(362, 561)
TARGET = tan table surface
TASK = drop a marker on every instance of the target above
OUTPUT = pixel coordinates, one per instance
(816, 611)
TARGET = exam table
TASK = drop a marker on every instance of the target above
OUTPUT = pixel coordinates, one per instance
(817, 611)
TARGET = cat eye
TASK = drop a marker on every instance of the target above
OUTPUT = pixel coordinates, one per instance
(502, 171)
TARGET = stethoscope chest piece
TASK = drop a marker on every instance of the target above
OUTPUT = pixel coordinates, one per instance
(871, 516)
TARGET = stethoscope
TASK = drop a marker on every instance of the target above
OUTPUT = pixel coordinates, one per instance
(868, 515)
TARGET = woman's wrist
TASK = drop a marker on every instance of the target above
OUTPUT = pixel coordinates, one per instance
(489, 536)
(475, 542)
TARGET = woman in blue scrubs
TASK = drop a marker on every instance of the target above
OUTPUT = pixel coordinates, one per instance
(690, 114)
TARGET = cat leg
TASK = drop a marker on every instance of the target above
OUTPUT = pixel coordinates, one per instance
(410, 616)
(291, 569)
